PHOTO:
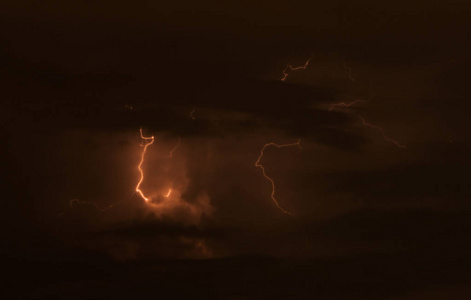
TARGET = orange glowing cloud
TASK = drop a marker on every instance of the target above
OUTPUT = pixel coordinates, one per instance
(164, 198)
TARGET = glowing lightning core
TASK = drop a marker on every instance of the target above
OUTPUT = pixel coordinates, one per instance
(148, 141)
(290, 67)
(258, 164)
(385, 137)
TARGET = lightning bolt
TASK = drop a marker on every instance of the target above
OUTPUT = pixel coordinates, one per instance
(343, 104)
(291, 68)
(147, 142)
(385, 137)
(79, 202)
(259, 165)
(170, 155)
(349, 71)
(94, 204)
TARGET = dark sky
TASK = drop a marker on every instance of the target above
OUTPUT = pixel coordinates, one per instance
(371, 220)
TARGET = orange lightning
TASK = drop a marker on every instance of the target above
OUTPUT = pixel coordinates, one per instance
(290, 67)
(148, 141)
(349, 71)
(77, 201)
(170, 155)
(385, 137)
(259, 165)
(168, 193)
(343, 104)
(94, 204)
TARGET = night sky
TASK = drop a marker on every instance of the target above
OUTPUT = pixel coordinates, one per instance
(366, 142)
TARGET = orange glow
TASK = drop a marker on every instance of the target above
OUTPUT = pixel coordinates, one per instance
(168, 193)
(258, 164)
(290, 67)
(343, 104)
(148, 141)
(385, 137)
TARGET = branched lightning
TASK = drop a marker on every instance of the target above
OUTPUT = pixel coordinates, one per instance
(291, 68)
(259, 165)
(286, 73)
(343, 104)
(147, 142)
(385, 137)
